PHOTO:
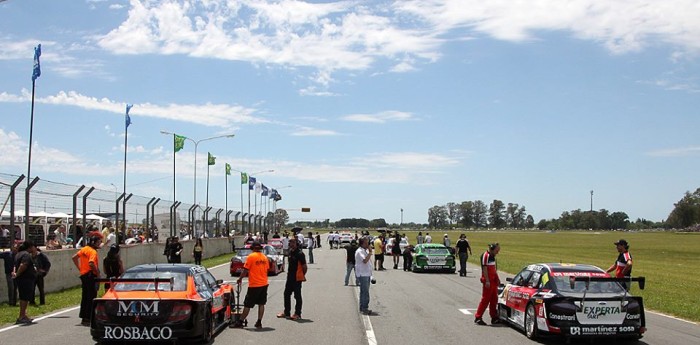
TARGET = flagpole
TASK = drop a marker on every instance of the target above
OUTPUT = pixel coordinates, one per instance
(126, 135)
(207, 201)
(242, 201)
(172, 216)
(36, 73)
(226, 200)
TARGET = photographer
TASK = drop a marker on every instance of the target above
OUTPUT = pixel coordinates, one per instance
(363, 271)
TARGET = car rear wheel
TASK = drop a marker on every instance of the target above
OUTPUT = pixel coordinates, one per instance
(208, 325)
(530, 322)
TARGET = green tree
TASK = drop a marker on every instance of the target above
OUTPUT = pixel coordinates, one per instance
(619, 220)
(496, 214)
(452, 212)
(281, 218)
(529, 222)
(378, 223)
(466, 210)
(437, 217)
(686, 212)
(480, 214)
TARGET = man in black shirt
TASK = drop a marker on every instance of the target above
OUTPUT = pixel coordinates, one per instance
(25, 277)
(175, 250)
(296, 273)
(350, 260)
(9, 258)
(461, 247)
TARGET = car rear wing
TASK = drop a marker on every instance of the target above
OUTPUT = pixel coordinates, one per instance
(587, 280)
(155, 281)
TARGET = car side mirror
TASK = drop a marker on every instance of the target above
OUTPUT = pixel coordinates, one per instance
(509, 279)
(219, 281)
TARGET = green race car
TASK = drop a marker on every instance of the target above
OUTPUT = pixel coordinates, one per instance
(433, 257)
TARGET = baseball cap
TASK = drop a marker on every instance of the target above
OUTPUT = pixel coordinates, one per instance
(622, 242)
(256, 245)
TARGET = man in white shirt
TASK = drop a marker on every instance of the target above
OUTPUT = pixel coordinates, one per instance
(300, 237)
(428, 239)
(363, 271)
(310, 246)
(285, 244)
(60, 233)
(111, 238)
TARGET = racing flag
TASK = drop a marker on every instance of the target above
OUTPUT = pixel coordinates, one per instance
(273, 193)
(128, 118)
(36, 73)
(264, 191)
(179, 142)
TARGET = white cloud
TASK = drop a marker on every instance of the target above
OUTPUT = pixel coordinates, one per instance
(409, 160)
(308, 131)
(215, 115)
(675, 152)
(381, 117)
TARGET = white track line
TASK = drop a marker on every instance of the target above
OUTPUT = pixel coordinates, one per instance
(466, 311)
(369, 331)
(41, 318)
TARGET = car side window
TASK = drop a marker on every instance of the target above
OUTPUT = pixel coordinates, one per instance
(534, 280)
(199, 282)
(211, 282)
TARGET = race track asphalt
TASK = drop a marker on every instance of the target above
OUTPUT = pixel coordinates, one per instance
(411, 308)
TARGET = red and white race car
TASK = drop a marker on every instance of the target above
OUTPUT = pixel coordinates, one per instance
(571, 300)
(276, 259)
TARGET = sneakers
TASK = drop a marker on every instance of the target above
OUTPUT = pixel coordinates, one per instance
(366, 312)
(479, 322)
(258, 324)
(238, 324)
(24, 321)
(496, 321)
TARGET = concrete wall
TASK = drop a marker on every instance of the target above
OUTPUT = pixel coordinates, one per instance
(64, 275)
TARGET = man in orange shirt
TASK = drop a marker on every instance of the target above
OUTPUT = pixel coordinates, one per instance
(86, 260)
(255, 268)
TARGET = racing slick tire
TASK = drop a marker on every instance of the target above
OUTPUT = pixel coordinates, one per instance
(208, 326)
(531, 322)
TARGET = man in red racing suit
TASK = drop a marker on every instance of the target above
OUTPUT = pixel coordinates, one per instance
(490, 281)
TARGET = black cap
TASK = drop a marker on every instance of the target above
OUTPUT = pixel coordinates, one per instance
(256, 245)
(622, 242)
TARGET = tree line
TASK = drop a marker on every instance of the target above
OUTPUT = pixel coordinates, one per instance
(476, 214)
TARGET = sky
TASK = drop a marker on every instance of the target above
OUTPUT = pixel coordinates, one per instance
(364, 108)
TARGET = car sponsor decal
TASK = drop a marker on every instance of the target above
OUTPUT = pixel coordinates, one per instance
(562, 317)
(436, 260)
(580, 274)
(138, 308)
(601, 330)
(633, 316)
(601, 312)
(137, 333)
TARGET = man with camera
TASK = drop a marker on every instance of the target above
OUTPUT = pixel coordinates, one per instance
(363, 271)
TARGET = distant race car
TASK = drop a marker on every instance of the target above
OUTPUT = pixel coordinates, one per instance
(276, 260)
(573, 301)
(346, 238)
(432, 257)
(162, 302)
(276, 243)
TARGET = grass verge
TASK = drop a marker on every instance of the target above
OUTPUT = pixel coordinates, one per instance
(71, 297)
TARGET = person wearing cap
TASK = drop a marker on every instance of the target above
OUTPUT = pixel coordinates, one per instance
(255, 268)
(623, 265)
(490, 281)
(85, 261)
(350, 261)
(461, 248)
(296, 275)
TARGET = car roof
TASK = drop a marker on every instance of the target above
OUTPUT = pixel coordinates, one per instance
(432, 245)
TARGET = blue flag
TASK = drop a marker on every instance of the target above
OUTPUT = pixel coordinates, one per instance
(264, 191)
(37, 68)
(251, 182)
(273, 193)
(128, 118)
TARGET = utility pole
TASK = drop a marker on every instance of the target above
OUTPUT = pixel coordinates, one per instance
(591, 201)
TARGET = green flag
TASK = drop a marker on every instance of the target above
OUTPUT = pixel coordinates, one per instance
(228, 169)
(244, 178)
(179, 142)
(211, 160)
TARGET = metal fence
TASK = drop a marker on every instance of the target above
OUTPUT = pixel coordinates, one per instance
(80, 207)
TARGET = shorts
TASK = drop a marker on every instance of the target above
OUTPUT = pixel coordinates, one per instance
(255, 296)
(25, 289)
(396, 250)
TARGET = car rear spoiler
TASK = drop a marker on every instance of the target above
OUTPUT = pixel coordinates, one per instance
(573, 280)
(155, 281)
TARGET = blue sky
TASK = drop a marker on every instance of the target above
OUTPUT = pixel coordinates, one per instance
(363, 107)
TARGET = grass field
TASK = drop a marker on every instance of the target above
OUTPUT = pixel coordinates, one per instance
(71, 297)
(669, 261)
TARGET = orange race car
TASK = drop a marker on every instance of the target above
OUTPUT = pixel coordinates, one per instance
(156, 302)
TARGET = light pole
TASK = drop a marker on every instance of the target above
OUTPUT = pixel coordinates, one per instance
(196, 143)
(591, 201)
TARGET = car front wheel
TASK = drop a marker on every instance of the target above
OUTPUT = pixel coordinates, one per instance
(530, 322)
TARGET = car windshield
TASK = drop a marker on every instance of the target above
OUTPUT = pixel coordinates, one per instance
(563, 285)
(435, 251)
(244, 252)
(179, 278)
